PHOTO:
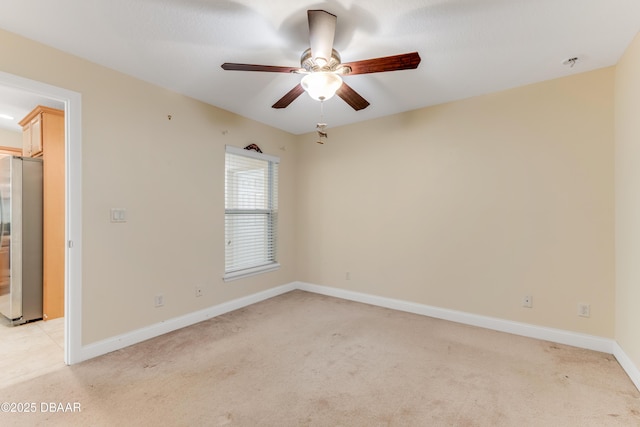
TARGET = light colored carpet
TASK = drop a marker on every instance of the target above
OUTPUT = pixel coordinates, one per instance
(302, 359)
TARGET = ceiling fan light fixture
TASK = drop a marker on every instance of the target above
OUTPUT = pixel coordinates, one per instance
(321, 85)
(323, 68)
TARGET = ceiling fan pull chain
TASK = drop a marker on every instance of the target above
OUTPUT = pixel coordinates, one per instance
(321, 127)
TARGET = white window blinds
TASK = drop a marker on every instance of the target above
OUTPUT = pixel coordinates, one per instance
(251, 212)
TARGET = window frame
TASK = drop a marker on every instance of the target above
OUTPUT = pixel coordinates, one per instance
(271, 212)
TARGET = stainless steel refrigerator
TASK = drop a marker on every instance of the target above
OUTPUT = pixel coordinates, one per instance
(21, 238)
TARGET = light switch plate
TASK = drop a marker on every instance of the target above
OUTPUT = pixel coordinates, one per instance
(118, 215)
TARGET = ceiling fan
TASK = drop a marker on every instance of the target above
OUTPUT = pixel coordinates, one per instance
(322, 67)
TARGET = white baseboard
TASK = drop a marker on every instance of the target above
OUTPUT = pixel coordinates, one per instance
(524, 329)
(121, 341)
(560, 336)
(575, 339)
(629, 367)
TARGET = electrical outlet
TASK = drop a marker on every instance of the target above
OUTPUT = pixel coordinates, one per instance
(158, 300)
(527, 301)
(347, 275)
(584, 310)
(199, 291)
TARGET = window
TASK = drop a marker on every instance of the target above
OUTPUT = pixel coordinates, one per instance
(251, 212)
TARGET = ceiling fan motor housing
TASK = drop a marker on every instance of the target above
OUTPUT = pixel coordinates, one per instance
(312, 65)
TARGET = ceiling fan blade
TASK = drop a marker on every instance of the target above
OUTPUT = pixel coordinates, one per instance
(289, 97)
(352, 97)
(405, 61)
(322, 29)
(252, 67)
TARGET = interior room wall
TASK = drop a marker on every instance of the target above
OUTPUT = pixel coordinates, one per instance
(471, 205)
(169, 176)
(627, 178)
(9, 138)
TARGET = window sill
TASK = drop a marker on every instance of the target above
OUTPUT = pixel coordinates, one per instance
(235, 275)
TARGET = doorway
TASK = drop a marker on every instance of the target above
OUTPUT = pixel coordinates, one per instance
(73, 179)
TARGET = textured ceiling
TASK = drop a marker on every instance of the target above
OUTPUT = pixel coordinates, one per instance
(468, 47)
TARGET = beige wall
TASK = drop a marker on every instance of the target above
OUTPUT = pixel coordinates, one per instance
(627, 157)
(9, 138)
(472, 205)
(169, 175)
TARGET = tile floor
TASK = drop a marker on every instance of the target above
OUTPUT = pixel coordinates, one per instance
(30, 350)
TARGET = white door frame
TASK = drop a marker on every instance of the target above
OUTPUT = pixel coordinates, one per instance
(73, 206)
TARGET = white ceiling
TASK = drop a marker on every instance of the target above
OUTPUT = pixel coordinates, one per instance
(468, 47)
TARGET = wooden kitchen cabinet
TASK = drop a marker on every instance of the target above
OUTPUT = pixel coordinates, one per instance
(10, 151)
(43, 135)
(37, 127)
